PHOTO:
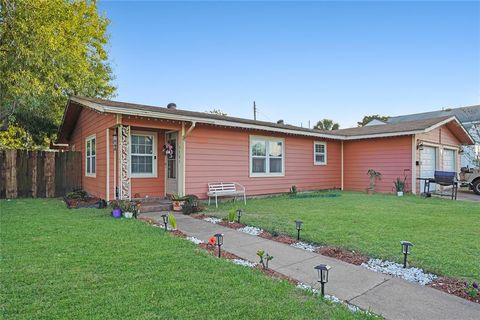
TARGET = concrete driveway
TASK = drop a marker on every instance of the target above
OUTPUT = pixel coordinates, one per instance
(467, 195)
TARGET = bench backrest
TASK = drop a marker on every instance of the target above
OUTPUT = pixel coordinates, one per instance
(445, 177)
(222, 186)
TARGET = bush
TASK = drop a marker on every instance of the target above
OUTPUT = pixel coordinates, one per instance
(231, 215)
(191, 204)
(77, 195)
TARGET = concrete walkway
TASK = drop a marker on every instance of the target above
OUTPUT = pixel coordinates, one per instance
(390, 297)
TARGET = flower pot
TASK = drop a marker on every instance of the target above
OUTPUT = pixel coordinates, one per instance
(128, 215)
(117, 213)
(177, 205)
(400, 193)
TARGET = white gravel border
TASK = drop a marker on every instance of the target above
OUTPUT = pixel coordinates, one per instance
(254, 231)
(395, 269)
(212, 220)
(304, 246)
(352, 308)
(194, 240)
(244, 263)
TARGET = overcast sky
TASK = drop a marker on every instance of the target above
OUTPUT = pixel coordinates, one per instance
(298, 61)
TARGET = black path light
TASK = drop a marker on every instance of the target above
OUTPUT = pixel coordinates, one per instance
(165, 220)
(298, 225)
(405, 250)
(322, 270)
(239, 214)
(219, 238)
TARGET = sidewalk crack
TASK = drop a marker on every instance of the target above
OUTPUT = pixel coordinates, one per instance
(361, 294)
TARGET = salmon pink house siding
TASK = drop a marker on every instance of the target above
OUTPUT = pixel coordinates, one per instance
(93, 124)
(145, 151)
(220, 154)
(392, 157)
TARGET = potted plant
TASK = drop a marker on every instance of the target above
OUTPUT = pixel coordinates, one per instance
(177, 202)
(373, 176)
(127, 209)
(400, 186)
(116, 209)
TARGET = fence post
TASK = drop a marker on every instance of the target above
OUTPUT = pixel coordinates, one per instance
(11, 174)
(49, 172)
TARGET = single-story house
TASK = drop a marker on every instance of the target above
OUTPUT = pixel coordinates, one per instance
(469, 117)
(138, 151)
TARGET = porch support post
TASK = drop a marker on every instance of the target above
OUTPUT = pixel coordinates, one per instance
(183, 141)
(414, 164)
(124, 180)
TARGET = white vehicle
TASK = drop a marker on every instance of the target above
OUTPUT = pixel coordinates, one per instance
(470, 177)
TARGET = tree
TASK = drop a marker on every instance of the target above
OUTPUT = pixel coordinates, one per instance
(367, 119)
(326, 124)
(218, 112)
(49, 49)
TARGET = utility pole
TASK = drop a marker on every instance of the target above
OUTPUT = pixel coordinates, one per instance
(254, 111)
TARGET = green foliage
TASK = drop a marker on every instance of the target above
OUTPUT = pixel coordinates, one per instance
(172, 221)
(16, 138)
(373, 176)
(191, 204)
(77, 195)
(264, 258)
(293, 190)
(231, 215)
(400, 184)
(367, 119)
(326, 124)
(48, 51)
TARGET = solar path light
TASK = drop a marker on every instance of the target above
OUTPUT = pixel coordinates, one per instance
(298, 225)
(406, 245)
(219, 238)
(322, 270)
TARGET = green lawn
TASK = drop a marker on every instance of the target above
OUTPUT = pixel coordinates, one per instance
(82, 264)
(446, 233)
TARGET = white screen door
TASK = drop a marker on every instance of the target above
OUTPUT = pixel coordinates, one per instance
(171, 174)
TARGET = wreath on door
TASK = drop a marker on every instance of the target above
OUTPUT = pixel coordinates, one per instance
(169, 150)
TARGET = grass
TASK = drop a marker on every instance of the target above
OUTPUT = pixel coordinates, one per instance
(82, 264)
(446, 233)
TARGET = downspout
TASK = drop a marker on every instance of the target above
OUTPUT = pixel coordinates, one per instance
(184, 149)
(341, 161)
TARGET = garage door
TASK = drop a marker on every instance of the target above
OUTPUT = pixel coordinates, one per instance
(449, 160)
(428, 164)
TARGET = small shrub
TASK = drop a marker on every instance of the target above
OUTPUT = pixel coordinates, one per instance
(191, 205)
(231, 215)
(172, 221)
(472, 289)
(264, 258)
(77, 195)
(293, 190)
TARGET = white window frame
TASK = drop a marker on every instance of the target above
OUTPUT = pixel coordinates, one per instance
(88, 158)
(315, 162)
(154, 173)
(267, 157)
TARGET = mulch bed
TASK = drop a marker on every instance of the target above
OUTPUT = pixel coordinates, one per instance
(178, 233)
(231, 225)
(453, 286)
(342, 254)
(91, 202)
(280, 238)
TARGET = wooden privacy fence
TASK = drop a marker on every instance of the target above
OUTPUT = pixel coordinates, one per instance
(32, 174)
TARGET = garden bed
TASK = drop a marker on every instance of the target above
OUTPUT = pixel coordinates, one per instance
(455, 287)
(342, 254)
(89, 202)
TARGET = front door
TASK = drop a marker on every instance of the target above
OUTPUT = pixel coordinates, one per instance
(428, 165)
(171, 173)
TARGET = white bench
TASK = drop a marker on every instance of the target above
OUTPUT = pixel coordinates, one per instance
(219, 189)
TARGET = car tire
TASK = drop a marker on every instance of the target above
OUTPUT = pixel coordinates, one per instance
(476, 186)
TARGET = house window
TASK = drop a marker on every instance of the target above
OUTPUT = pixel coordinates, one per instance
(90, 156)
(142, 155)
(266, 156)
(320, 153)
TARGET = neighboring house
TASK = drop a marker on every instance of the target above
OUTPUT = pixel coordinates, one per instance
(468, 116)
(124, 145)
